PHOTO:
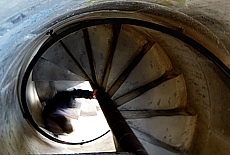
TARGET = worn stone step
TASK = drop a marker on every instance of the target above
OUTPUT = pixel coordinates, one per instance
(136, 114)
(45, 70)
(102, 153)
(175, 131)
(170, 94)
(101, 38)
(153, 65)
(153, 145)
(130, 42)
(58, 54)
(157, 150)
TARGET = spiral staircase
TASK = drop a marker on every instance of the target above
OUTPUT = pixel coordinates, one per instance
(126, 63)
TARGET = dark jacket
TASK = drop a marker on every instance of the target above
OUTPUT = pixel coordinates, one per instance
(61, 101)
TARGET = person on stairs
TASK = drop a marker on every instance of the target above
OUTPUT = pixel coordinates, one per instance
(55, 111)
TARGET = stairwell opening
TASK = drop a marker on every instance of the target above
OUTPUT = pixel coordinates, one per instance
(89, 123)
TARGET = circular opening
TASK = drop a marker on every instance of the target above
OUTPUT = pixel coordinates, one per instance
(77, 26)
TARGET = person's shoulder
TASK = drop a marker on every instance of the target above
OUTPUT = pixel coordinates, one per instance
(63, 93)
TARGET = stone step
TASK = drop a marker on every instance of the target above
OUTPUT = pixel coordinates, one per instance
(170, 94)
(136, 114)
(75, 43)
(157, 150)
(45, 70)
(101, 38)
(129, 44)
(103, 153)
(152, 66)
(172, 131)
(58, 54)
